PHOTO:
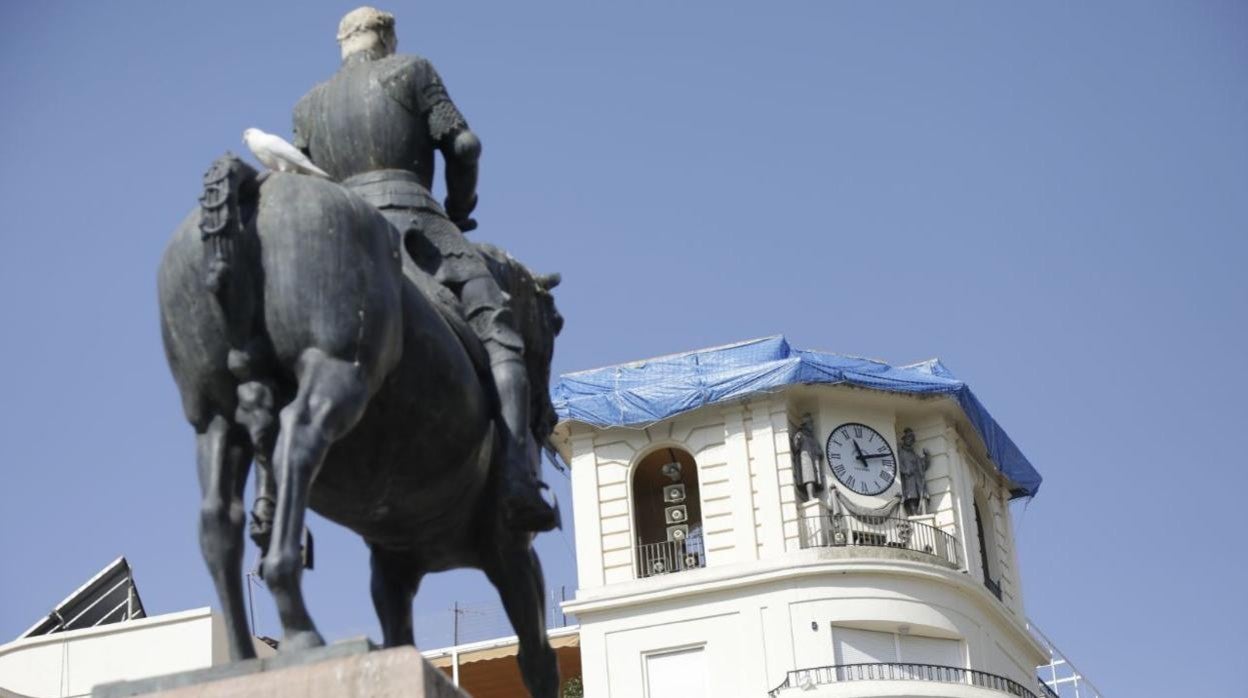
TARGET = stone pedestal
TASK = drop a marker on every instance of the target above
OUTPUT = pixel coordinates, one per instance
(351, 669)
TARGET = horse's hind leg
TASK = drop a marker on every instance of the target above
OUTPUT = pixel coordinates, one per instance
(514, 570)
(331, 398)
(224, 455)
(394, 586)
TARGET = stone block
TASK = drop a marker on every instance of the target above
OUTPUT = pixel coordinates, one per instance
(350, 669)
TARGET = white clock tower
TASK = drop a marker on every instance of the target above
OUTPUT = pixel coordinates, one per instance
(716, 559)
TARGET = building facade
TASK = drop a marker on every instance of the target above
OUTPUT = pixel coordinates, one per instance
(68, 664)
(713, 562)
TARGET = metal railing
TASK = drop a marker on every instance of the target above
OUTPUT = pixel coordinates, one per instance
(878, 531)
(670, 556)
(1045, 691)
(1060, 677)
(901, 671)
(994, 587)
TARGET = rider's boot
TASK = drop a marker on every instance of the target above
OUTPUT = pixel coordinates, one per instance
(523, 506)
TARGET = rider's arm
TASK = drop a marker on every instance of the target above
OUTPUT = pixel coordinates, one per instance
(461, 149)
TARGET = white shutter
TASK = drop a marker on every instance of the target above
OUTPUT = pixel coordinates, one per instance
(855, 646)
(679, 674)
(917, 649)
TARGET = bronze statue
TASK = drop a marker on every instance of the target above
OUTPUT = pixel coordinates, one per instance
(807, 456)
(913, 470)
(308, 325)
(374, 126)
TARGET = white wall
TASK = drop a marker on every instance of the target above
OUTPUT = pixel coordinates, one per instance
(71, 663)
(756, 629)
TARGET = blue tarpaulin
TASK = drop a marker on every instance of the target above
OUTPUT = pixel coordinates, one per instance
(643, 392)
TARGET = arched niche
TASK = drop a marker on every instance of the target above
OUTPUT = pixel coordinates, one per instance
(667, 513)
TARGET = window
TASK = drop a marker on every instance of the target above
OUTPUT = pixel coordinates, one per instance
(679, 674)
(985, 529)
(930, 650)
(667, 513)
(852, 646)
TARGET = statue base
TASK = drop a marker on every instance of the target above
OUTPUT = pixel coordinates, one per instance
(349, 669)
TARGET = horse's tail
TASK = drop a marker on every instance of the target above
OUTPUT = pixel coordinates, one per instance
(232, 274)
(231, 267)
(220, 221)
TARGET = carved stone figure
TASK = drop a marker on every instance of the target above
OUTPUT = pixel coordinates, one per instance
(302, 334)
(374, 126)
(807, 456)
(913, 470)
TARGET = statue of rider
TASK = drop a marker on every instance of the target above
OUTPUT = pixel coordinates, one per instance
(374, 127)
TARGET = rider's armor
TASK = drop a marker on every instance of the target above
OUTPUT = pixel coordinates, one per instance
(374, 126)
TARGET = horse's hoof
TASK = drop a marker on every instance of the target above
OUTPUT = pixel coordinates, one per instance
(302, 640)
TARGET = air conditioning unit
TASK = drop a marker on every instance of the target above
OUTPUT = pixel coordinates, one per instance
(679, 532)
(674, 494)
(676, 514)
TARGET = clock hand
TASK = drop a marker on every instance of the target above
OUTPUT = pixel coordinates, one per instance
(860, 457)
(877, 455)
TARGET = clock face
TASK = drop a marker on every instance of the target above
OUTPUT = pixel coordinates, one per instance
(861, 459)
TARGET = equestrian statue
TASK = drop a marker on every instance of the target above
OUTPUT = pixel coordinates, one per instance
(343, 334)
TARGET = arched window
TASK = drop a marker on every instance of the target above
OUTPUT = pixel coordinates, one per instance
(667, 513)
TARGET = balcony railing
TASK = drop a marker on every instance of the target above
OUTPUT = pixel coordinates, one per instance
(900, 671)
(670, 556)
(994, 587)
(878, 531)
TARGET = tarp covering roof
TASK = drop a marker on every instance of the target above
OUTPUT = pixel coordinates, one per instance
(644, 392)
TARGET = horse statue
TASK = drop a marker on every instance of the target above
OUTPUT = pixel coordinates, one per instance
(301, 336)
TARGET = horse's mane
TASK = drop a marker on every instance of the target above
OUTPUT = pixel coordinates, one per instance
(537, 324)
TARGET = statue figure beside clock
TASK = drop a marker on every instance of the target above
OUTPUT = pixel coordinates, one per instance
(913, 475)
(863, 461)
(807, 459)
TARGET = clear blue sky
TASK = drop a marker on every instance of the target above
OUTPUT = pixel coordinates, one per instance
(1051, 197)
